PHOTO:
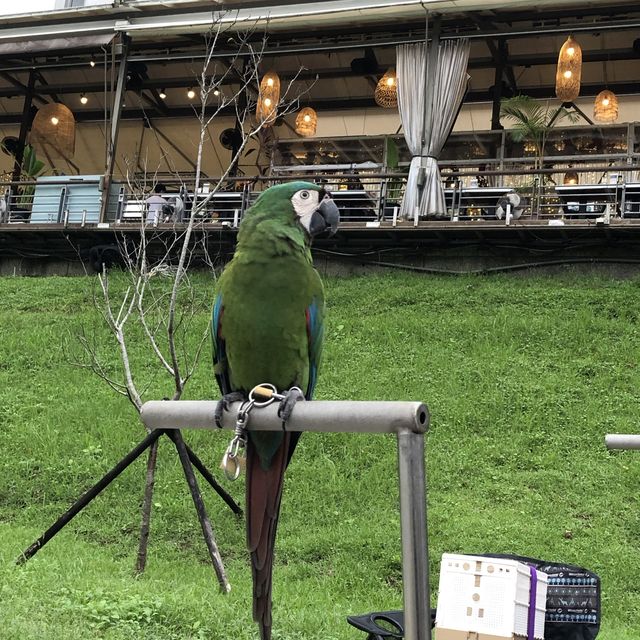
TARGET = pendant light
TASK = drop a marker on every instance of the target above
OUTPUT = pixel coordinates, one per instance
(386, 93)
(306, 122)
(569, 71)
(54, 128)
(605, 107)
(268, 99)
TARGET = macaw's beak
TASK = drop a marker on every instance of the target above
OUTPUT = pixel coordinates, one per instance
(325, 218)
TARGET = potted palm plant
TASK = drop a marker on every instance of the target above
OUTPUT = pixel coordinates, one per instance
(532, 122)
(32, 168)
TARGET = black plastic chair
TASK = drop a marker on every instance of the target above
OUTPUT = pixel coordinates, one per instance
(383, 624)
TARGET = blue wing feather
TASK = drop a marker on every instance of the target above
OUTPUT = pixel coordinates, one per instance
(220, 363)
(315, 331)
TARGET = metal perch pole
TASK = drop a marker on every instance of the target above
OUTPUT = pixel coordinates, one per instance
(408, 420)
(622, 441)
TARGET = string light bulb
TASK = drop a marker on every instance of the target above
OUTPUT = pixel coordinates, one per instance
(92, 62)
(191, 94)
(83, 99)
(162, 94)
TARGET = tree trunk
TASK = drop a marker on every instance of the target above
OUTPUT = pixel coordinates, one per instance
(145, 526)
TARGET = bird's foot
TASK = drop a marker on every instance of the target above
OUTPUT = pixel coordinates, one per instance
(224, 404)
(288, 402)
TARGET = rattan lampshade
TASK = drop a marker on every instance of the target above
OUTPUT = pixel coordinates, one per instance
(571, 177)
(306, 122)
(268, 99)
(605, 107)
(569, 71)
(54, 127)
(386, 93)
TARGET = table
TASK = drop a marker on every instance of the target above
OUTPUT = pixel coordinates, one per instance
(587, 200)
(474, 202)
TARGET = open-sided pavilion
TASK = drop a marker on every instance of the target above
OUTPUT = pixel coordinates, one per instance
(124, 69)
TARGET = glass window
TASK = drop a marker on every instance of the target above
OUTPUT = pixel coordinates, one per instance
(472, 146)
(330, 151)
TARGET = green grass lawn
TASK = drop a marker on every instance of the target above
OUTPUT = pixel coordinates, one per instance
(523, 377)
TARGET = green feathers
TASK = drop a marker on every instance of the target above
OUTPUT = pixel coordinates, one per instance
(270, 224)
(265, 294)
(267, 328)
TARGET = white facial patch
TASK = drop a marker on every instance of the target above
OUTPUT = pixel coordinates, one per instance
(305, 202)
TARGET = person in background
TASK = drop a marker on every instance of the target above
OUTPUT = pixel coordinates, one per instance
(481, 179)
(155, 203)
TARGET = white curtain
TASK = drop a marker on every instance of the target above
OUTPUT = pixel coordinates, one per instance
(429, 96)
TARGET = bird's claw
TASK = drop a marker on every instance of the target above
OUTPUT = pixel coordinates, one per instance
(224, 404)
(288, 402)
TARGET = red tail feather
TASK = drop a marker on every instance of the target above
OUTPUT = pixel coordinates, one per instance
(264, 493)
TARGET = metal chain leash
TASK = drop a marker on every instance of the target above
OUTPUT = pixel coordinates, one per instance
(234, 459)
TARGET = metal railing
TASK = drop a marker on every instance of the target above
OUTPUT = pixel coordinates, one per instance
(52, 200)
(364, 198)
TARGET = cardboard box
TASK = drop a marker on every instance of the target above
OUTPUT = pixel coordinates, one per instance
(450, 634)
(489, 599)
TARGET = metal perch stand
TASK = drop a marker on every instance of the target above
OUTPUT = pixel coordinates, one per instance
(188, 459)
(622, 441)
(408, 420)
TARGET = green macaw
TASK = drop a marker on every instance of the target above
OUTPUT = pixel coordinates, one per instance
(267, 327)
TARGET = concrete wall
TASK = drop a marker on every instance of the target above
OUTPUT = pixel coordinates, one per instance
(609, 262)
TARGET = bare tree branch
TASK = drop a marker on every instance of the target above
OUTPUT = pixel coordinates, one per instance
(154, 299)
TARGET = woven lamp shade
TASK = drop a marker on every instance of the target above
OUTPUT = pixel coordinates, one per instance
(306, 122)
(268, 99)
(569, 71)
(386, 93)
(571, 177)
(54, 127)
(605, 107)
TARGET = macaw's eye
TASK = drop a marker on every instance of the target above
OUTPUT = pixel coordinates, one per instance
(304, 195)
